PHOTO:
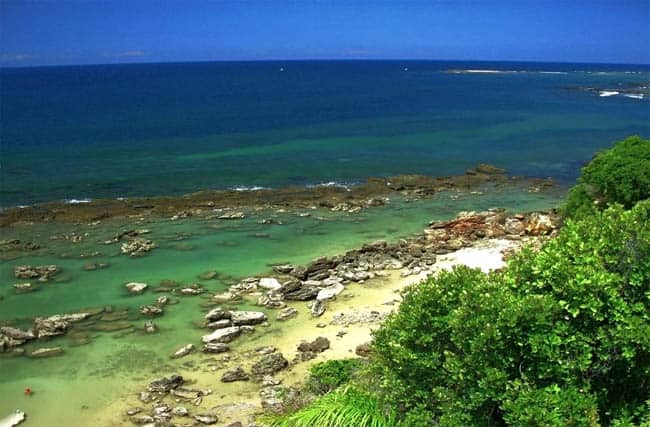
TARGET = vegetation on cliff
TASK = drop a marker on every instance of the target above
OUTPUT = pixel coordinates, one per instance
(560, 337)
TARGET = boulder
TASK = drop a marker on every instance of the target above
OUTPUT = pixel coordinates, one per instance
(363, 350)
(304, 293)
(270, 364)
(319, 345)
(137, 246)
(330, 292)
(206, 419)
(217, 314)
(283, 269)
(180, 411)
(317, 308)
(539, 224)
(164, 384)
(269, 283)
(247, 317)
(150, 328)
(17, 334)
(183, 351)
(136, 287)
(223, 335)
(219, 324)
(237, 374)
(215, 347)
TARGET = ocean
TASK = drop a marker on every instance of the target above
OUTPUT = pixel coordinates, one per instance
(78, 133)
(83, 132)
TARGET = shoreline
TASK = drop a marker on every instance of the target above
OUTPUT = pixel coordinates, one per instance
(206, 202)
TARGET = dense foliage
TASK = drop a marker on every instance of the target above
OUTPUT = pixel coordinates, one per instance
(329, 375)
(560, 337)
(618, 175)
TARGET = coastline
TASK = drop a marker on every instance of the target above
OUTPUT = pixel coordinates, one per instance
(205, 203)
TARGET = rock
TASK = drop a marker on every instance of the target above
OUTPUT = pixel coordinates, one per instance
(187, 393)
(237, 374)
(489, 169)
(164, 384)
(283, 269)
(23, 287)
(247, 317)
(144, 397)
(341, 333)
(208, 275)
(269, 283)
(219, 324)
(514, 226)
(183, 351)
(17, 334)
(232, 215)
(136, 287)
(192, 290)
(150, 327)
(287, 313)
(247, 329)
(317, 308)
(150, 310)
(329, 292)
(206, 419)
(278, 398)
(235, 424)
(363, 350)
(42, 273)
(47, 352)
(13, 419)
(539, 224)
(217, 314)
(266, 350)
(216, 347)
(137, 246)
(49, 327)
(223, 335)
(303, 293)
(319, 345)
(180, 411)
(270, 364)
(269, 381)
(162, 300)
(143, 419)
(225, 297)
(133, 411)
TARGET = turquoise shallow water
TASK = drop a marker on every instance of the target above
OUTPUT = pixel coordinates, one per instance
(154, 129)
(93, 375)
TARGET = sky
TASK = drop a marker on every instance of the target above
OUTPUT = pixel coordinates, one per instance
(88, 32)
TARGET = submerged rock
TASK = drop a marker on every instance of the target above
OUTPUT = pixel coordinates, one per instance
(24, 287)
(47, 352)
(42, 273)
(137, 246)
(151, 310)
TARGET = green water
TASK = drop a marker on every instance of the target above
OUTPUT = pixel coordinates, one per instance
(75, 386)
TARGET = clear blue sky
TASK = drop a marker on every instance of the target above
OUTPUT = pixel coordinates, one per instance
(80, 32)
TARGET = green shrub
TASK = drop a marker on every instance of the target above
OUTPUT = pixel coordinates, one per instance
(560, 337)
(618, 175)
(326, 376)
(346, 407)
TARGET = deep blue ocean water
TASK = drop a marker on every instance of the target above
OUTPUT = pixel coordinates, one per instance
(154, 129)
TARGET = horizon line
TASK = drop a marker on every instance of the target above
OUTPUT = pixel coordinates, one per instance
(4, 66)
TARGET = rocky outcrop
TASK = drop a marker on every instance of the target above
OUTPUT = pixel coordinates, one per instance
(42, 273)
(137, 246)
